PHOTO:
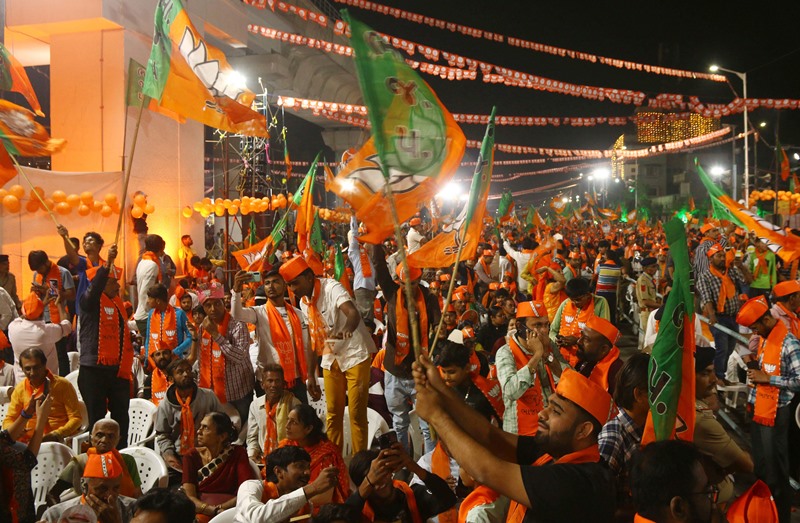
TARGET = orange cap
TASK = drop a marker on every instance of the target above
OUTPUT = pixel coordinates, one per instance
(494, 286)
(488, 252)
(102, 466)
(179, 292)
(752, 311)
(414, 273)
(414, 222)
(293, 268)
(604, 327)
(531, 309)
(434, 285)
(714, 249)
(786, 288)
(462, 289)
(706, 227)
(458, 296)
(754, 505)
(33, 306)
(450, 308)
(587, 394)
(468, 333)
(444, 277)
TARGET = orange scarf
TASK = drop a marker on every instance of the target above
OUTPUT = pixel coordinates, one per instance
(492, 392)
(212, 361)
(288, 345)
(481, 495)
(150, 255)
(163, 332)
(158, 383)
(531, 401)
(366, 268)
(111, 351)
(516, 512)
(187, 423)
(486, 269)
(727, 288)
(53, 274)
(402, 342)
(271, 441)
(769, 354)
(377, 309)
(440, 465)
(4, 344)
(761, 266)
(573, 320)
(317, 328)
(794, 321)
(411, 503)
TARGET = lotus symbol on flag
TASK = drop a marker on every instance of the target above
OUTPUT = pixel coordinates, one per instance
(18, 122)
(109, 310)
(196, 55)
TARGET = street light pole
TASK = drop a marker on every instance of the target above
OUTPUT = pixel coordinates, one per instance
(743, 78)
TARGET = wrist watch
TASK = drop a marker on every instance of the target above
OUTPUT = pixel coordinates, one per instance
(550, 358)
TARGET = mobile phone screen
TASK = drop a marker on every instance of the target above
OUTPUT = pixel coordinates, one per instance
(53, 284)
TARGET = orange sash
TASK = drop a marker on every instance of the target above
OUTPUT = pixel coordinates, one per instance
(4, 344)
(288, 345)
(110, 351)
(150, 255)
(402, 342)
(486, 269)
(316, 323)
(271, 441)
(366, 268)
(212, 361)
(492, 392)
(761, 264)
(769, 354)
(163, 332)
(53, 274)
(573, 320)
(377, 309)
(532, 401)
(411, 502)
(158, 383)
(727, 288)
(482, 495)
(440, 465)
(187, 423)
(516, 512)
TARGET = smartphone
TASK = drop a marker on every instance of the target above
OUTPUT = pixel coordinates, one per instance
(53, 287)
(753, 364)
(255, 276)
(387, 439)
(46, 389)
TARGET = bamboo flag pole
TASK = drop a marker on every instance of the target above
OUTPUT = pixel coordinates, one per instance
(34, 191)
(128, 172)
(450, 288)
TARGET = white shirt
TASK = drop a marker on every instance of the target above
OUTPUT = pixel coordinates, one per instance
(258, 316)
(146, 277)
(250, 509)
(8, 378)
(522, 259)
(8, 310)
(25, 334)
(347, 353)
(414, 240)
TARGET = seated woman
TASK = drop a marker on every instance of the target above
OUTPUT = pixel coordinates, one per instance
(213, 471)
(304, 429)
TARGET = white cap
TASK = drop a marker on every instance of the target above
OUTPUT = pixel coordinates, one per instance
(456, 336)
(557, 236)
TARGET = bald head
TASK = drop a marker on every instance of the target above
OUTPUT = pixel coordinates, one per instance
(105, 435)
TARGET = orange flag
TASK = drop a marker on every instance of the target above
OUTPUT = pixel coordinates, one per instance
(22, 136)
(14, 78)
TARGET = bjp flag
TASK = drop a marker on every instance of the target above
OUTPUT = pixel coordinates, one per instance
(193, 79)
(256, 256)
(14, 78)
(22, 136)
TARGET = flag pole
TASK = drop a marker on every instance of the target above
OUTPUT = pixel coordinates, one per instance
(34, 191)
(128, 172)
(450, 289)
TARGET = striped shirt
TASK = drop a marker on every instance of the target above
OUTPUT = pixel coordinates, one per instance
(608, 275)
(235, 345)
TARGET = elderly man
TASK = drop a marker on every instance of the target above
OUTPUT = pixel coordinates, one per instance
(266, 422)
(598, 355)
(31, 331)
(105, 437)
(282, 334)
(100, 486)
(65, 416)
(222, 349)
(776, 376)
(338, 333)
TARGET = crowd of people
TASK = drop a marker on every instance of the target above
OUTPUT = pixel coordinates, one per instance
(527, 410)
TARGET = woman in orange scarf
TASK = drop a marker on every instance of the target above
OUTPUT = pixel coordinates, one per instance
(305, 429)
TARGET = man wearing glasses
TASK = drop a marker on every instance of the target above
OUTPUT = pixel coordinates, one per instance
(525, 369)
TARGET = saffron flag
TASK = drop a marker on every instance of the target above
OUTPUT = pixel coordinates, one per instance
(22, 136)
(135, 97)
(286, 159)
(608, 214)
(257, 256)
(14, 78)
(785, 245)
(784, 161)
(193, 79)
(416, 145)
(560, 207)
(304, 201)
(468, 225)
(671, 370)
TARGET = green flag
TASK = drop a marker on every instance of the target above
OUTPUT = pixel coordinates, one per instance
(253, 238)
(505, 206)
(316, 236)
(338, 263)
(671, 369)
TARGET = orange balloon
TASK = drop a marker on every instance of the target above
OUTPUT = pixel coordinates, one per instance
(219, 210)
(17, 190)
(87, 198)
(233, 209)
(110, 198)
(150, 208)
(206, 201)
(187, 212)
(204, 213)
(140, 200)
(58, 196)
(84, 210)
(73, 200)
(37, 190)
(50, 203)
(236, 201)
(63, 208)
(197, 206)
(11, 203)
(245, 209)
(3, 194)
(115, 207)
(32, 206)
(97, 206)
(136, 212)
(106, 211)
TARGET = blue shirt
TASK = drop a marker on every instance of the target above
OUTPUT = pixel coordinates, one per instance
(184, 335)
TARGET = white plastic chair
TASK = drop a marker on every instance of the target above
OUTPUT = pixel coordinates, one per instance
(74, 362)
(5, 394)
(142, 416)
(415, 435)
(376, 426)
(72, 377)
(51, 460)
(225, 516)
(83, 434)
(320, 406)
(152, 468)
(3, 411)
(347, 436)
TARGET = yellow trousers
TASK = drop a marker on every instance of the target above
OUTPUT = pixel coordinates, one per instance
(350, 387)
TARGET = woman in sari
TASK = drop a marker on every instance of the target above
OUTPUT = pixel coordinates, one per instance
(213, 471)
(305, 429)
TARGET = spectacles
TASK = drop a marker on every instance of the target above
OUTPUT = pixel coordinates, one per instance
(711, 492)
